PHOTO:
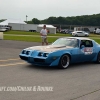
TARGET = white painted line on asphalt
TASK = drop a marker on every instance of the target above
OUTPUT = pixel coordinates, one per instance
(10, 59)
(20, 63)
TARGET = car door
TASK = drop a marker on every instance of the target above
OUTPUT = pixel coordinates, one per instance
(80, 33)
(87, 52)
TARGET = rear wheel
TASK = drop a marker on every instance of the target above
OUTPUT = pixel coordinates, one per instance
(98, 58)
(86, 35)
(64, 61)
(76, 35)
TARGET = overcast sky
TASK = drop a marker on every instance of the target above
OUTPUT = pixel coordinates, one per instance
(42, 9)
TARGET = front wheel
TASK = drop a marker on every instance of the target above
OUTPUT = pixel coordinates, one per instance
(98, 58)
(64, 61)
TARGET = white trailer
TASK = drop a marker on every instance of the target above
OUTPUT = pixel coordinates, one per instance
(87, 29)
(97, 31)
(23, 27)
(50, 28)
(92, 29)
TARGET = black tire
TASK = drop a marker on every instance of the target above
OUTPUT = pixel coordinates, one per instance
(98, 58)
(86, 35)
(76, 35)
(64, 61)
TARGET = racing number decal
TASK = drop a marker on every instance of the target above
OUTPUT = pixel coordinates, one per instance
(87, 51)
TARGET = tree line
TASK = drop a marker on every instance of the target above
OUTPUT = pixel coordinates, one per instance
(85, 20)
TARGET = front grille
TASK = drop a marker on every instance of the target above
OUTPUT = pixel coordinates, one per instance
(24, 58)
(39, 60)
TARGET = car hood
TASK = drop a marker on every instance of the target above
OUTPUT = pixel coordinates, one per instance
(49, 48)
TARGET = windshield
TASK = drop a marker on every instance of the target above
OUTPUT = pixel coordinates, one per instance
(66, 42)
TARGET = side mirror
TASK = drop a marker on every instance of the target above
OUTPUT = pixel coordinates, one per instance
(82, 46)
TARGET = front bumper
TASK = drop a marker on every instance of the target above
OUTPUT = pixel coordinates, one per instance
(41, 61)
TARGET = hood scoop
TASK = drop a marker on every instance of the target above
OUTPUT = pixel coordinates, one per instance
(58, 46)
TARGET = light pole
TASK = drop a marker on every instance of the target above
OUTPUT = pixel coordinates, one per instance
(26, 18)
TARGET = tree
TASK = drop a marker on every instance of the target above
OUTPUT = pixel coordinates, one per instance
(1, 20)
(36, 21)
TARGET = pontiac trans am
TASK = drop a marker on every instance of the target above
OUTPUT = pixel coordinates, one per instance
(63, 52)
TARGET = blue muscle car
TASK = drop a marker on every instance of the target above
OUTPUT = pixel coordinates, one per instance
(63, 52)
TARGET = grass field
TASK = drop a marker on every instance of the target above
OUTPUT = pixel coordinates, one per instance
(33, 33)
(35, 37)
(28, 38)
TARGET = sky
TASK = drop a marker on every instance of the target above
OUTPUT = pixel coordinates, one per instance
(43, 9)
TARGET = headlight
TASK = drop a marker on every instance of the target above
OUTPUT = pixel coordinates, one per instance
(46, 54)
(25, 52)
(42, 54)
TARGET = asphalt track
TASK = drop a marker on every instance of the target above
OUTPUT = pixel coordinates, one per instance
(78, 82)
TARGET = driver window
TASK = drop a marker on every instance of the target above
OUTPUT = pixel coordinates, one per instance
(83, 43)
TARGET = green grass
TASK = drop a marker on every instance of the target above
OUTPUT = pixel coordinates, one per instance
(37, 33)
(33, 33)
(97, 40)
(28, 38)
(94, 35)
(35, 37)
(21, 33)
